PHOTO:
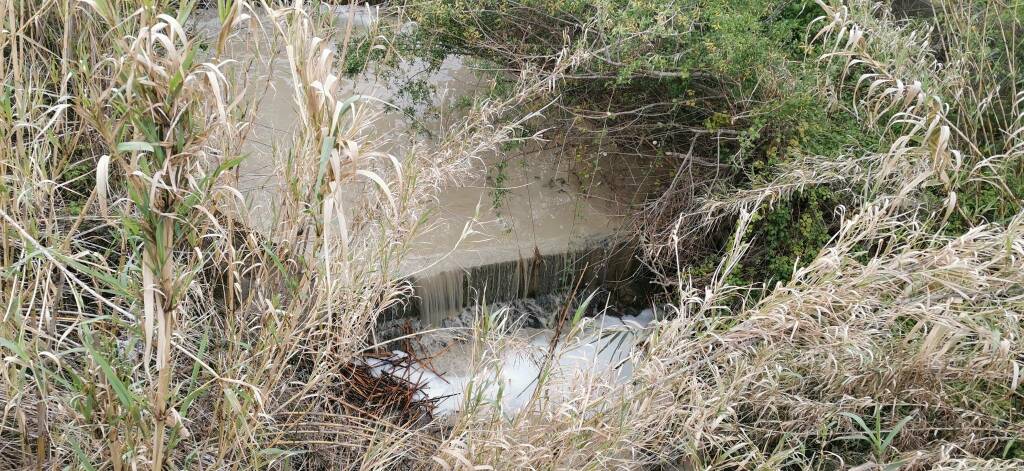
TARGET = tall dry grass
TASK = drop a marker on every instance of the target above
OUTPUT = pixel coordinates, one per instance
(151, 320)
(146, 323)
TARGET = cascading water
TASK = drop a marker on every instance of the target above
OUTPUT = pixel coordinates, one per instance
(442, 294)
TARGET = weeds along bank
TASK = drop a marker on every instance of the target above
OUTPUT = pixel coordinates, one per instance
(145, 325)
(835, 172)
(837, 223)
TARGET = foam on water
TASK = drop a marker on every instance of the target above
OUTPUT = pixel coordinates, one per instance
(602, 351)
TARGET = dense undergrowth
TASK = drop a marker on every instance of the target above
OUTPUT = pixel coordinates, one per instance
(833, 170)
(714, 93)
(835, 218)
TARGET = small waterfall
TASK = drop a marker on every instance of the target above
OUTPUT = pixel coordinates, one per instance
(440, 295)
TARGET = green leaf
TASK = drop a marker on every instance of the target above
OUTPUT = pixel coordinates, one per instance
(325, 154)
(277, 452)
(232, 399)
(582, 308)
(895, 431)
(347, 104)
(135, 146)
(83, 459)
(283, 270)
(894, 466)
(194, 378)
(14, 348)
(860, 422)
(122, 392)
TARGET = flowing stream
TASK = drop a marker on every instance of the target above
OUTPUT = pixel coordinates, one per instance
(535, 239)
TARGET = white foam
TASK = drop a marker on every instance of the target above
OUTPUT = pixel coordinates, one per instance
(601, 352)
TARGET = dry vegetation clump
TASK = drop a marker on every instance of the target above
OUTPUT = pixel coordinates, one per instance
(898, 344)
(924, 333)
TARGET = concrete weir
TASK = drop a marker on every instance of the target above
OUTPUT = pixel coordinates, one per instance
(546, 233)
(526, 225)
(598, 263)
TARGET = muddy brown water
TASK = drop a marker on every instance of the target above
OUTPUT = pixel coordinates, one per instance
(536, 238)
